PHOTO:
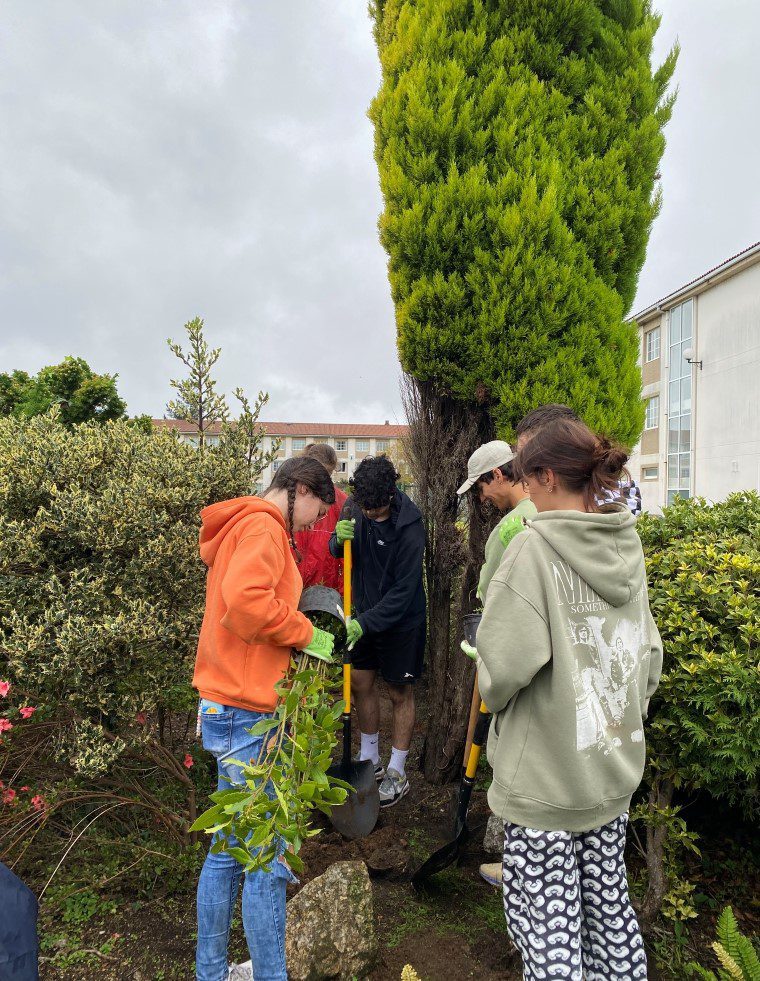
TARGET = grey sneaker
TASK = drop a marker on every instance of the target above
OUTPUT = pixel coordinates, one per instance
(379, 768)
(393, 788)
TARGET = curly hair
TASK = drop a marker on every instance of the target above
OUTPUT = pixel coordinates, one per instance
(374, 482)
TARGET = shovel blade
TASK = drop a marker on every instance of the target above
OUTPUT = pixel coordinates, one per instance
(357, 816)
(443, 858)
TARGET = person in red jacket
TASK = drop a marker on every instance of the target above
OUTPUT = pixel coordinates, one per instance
(250, 626)
(318, 567)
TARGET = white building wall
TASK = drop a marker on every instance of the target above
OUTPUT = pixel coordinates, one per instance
(727, 389)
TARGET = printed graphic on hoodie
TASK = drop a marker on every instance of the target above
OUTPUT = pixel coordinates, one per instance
(608, 660)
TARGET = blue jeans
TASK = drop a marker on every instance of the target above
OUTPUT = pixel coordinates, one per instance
(225, 736)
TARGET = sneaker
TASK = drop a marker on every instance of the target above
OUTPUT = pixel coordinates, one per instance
(491, 872)
(241, 972)
(379, 768)
(393, 788)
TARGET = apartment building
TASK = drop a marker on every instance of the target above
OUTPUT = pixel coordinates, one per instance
(351, 441)
(700, 365)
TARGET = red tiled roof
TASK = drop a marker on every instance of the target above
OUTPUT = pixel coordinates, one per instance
(303, 429)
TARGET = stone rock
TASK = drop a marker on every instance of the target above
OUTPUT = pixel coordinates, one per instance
(331, 926)
(493, 843)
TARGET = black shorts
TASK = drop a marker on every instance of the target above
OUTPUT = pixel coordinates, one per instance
(396, 654)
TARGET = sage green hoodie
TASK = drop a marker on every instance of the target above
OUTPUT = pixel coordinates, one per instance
(568, 658)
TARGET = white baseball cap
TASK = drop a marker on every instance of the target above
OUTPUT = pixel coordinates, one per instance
(486, 458)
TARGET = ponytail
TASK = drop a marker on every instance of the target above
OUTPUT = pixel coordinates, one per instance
(584, 463)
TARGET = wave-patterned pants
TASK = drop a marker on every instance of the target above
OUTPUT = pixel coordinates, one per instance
(567, 906)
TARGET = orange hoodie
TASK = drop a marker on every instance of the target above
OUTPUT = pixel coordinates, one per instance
(252, 592)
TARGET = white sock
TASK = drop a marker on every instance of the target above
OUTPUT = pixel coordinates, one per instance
(370, 748)
(398, 760)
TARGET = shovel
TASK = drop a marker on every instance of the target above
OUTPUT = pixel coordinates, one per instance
(358, 814)
(449, 853)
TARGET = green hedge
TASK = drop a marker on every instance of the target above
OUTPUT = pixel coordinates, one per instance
(703, 564)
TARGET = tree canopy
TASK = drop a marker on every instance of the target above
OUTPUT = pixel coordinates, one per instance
(518, 145)
(81, 394)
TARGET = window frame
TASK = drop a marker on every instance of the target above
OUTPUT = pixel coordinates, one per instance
(341, 445)
(298, 443)
(648, 356)
(648, 425)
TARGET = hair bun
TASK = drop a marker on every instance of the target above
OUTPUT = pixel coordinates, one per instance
(609, 457)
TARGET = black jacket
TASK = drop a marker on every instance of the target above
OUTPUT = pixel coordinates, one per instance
(387, 576)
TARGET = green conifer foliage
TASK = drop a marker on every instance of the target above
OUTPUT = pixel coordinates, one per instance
(518, 145)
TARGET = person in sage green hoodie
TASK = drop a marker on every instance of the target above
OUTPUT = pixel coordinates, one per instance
(568, 658)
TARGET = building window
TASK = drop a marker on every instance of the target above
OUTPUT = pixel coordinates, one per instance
(680, 335)
(382, 445)
(653, 413)
(649, 473)
(276, 465)
(652, 349)
(341, 468)
(340, 445)
(299, 444)
(362, 446)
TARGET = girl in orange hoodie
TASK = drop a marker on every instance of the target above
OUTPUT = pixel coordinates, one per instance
(250, 626)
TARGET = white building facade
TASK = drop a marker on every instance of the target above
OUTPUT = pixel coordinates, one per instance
(700, 363)
(352, 442)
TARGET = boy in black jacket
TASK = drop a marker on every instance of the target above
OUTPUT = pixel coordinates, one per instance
(387, 631)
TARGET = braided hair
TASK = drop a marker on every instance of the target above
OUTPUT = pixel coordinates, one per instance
(309, 472)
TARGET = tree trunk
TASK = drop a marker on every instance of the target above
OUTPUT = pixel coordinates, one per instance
(660, 796)
(442, 435)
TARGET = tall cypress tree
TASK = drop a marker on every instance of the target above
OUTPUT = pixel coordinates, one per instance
(517, 143)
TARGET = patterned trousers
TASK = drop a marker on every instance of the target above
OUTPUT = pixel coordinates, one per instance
(567, 906)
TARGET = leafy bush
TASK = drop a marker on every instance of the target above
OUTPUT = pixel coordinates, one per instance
(101, 599)
(703, 565)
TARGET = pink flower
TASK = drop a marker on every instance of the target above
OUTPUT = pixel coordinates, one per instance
(9, 796)
(5, 725)
(39, 803)
(27, 711)
(24, 789)
(188, 761)
(5, 687)
(142, 718)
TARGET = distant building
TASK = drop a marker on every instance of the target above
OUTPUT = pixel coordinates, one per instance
(700, 363)
(351, 441)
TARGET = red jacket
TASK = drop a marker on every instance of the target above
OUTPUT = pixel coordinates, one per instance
(318, 567)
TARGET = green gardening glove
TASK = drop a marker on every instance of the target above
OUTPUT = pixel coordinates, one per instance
(321, 645)
(353, 633)
(469, 650)
(344, 530)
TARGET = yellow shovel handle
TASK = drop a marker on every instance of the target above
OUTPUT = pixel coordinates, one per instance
(347, 616)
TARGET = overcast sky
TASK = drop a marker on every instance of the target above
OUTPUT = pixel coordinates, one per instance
(161, 161)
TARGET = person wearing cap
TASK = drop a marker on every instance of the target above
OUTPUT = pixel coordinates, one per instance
(490, 477)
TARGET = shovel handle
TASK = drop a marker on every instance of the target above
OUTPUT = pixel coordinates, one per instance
(347, 617)
(479, 737)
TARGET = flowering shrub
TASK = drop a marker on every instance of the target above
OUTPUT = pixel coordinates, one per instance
(101, 600)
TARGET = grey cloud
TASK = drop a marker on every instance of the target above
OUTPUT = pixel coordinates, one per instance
(162, 161)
